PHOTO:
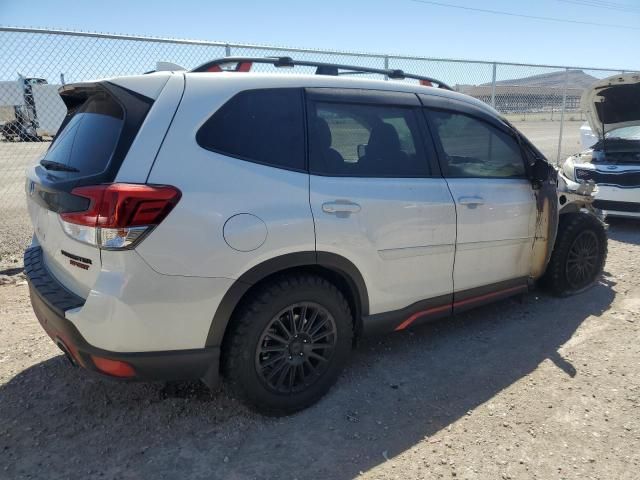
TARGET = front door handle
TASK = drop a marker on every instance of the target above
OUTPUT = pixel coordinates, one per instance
(471, 202)
(341, 207)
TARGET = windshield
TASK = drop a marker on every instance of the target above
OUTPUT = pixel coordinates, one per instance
(624, 133)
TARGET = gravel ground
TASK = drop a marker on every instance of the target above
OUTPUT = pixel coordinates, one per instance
(537, 387)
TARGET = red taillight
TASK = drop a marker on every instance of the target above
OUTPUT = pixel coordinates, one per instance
(119, 214)
(115, 368)
(124, 205)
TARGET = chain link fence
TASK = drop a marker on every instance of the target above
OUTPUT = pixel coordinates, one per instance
(542, 101)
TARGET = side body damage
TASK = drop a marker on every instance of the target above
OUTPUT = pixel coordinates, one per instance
(555, 196)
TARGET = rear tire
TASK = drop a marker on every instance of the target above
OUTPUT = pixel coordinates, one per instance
(287, 343)
(579, 254)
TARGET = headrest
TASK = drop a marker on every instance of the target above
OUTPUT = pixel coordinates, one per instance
(383, 138)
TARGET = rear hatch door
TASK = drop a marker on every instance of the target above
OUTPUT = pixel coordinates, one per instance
(101, 123)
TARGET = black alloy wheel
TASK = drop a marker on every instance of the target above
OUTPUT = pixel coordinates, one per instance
(579, 254)
(287, 343)
(583, 260)
(296, 347)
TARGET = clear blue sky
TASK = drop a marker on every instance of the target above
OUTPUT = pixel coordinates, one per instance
(387, 26)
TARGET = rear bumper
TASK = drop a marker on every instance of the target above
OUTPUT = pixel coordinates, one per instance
(50, 301)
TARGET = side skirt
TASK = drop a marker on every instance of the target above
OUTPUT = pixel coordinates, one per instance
(440, 307)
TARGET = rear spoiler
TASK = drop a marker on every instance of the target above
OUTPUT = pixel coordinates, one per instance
(74, 94)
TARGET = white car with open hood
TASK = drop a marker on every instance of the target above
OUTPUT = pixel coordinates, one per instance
(612, 106)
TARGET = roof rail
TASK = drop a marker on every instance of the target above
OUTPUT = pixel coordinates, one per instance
(244, 64)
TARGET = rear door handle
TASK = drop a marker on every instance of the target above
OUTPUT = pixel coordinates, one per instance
(341, 207)
(471, 202)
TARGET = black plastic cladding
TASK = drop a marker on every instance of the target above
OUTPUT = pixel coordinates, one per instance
(330, 261)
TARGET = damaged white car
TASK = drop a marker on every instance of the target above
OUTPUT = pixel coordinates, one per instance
(193, 225)
(612, 106)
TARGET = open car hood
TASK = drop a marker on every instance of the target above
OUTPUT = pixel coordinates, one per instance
(612, 103)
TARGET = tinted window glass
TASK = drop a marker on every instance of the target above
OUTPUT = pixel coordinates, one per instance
(365, 140)
(474, 148)
(265, 126)
(89, 136)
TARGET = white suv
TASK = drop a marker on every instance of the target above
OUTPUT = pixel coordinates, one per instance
(192, 223)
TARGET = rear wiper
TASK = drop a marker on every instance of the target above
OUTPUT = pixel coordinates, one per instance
(60, 167)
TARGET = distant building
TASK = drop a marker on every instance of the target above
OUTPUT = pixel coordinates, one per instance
(537, 93)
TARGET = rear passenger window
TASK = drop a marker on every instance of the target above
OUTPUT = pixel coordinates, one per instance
(365, 141)
(264, 126)
(474, 148)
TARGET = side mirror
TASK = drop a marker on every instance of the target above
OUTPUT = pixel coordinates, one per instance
(362, 150)
(540, 172)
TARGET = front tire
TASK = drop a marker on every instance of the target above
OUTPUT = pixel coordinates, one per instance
(579, 254)
(288, 343)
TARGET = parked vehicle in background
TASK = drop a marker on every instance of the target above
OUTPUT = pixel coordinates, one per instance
(612, 106)
(30, 109)
(189, 224)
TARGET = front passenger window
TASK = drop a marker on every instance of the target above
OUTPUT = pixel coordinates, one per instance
(474, 148)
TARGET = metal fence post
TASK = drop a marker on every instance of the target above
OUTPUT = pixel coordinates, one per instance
(564, 107)
(493, 86)
(386, 65)
(227, 50)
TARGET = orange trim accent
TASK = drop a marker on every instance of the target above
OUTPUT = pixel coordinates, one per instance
(488, 295)
(417, 315)
(441, 308)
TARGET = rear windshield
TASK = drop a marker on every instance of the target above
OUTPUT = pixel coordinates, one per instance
(89, 135)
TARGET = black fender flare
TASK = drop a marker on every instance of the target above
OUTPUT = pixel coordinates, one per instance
(331, 261)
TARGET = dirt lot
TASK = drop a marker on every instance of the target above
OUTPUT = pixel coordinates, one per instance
(533, 388)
